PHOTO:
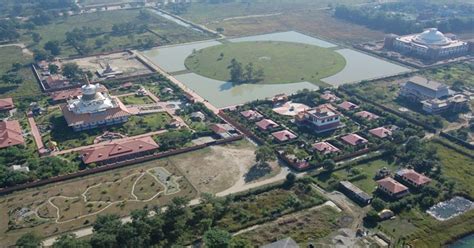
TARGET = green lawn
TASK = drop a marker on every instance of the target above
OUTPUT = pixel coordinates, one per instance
(366, 182)
(67, 138)
(130, 100)
(102, 23)
(282, 62)
(458, 168)
(29, 88)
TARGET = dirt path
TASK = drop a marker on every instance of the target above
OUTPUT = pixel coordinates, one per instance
(23, 47)
(328, 203)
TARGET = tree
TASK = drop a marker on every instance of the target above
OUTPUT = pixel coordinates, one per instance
(70, 241)
(249, 72)
(72, 71)
(36, 37)
(40, 55)
(238, 242)
(53, 69)
(28, 240)
(290, 180)
(263, 154)
(16, 66)
(378, 204)
(236, 71)
(458, 85)
(329, 164)
(217, 238)
(53, 47)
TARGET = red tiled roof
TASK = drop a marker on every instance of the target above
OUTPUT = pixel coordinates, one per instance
(78, 119)
(10, 134)
(325, 147)
(251, 114)
(266, 124)
(380, 132)
(284, 135)
(348, 105)
(118, 149)
(72, 93)
(329, 96)
(6, 103)
(415, 177)
(221, 128)
(56, 81)
(354, 139)
(367, 115)
(391, 185)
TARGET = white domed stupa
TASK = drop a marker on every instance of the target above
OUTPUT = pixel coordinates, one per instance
(432, 37)
(430, 44)
(93, 109)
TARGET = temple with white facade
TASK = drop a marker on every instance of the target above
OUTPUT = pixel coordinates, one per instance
(94, 109)
(430, 44)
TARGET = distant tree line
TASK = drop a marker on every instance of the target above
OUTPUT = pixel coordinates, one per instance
(398, 23)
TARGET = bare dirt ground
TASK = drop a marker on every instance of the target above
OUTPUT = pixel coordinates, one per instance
(318, 23)
(218, 168)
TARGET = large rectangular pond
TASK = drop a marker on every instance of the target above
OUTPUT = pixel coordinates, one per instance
(290, 36)
(360, 66)
(224, 94)
(171, 58)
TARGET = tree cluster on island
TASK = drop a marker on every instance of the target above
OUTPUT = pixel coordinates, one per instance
(245, 74)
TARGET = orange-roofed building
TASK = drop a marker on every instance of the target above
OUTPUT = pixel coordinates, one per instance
(10, 134)
(413, 178)
(325, 148)
(392, 188)
(6, 104)
(119, 151)
(381, 132)
(284, 135)
(266, 124)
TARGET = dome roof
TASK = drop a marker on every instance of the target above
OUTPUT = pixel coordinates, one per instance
(432, 37)
(89, 89)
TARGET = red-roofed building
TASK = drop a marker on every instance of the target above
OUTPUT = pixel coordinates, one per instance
(413, 178)
(251, 115)
(323, 118)
(284, 135)
(266, 124)
(354, 139)
(6, 104)
(348, 106)
(325, 148)
(224, 130)
(330, 97)
(381, 132)
(119, 151)
(367, 115)
(10, 134)
(56, 81)
(391, 187)
(63, 95)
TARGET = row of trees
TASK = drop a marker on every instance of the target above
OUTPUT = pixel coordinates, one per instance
(399, 23)
(248, 74)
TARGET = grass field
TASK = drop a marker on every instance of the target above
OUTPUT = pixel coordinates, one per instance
(72, 208)
(281, 62)
(309, 225)
(458, 168)
(102, 23)
(133, 99)
(366, 182)
(29, 87)
(463, 72)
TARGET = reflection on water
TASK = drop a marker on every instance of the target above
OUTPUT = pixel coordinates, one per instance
(225, 94)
